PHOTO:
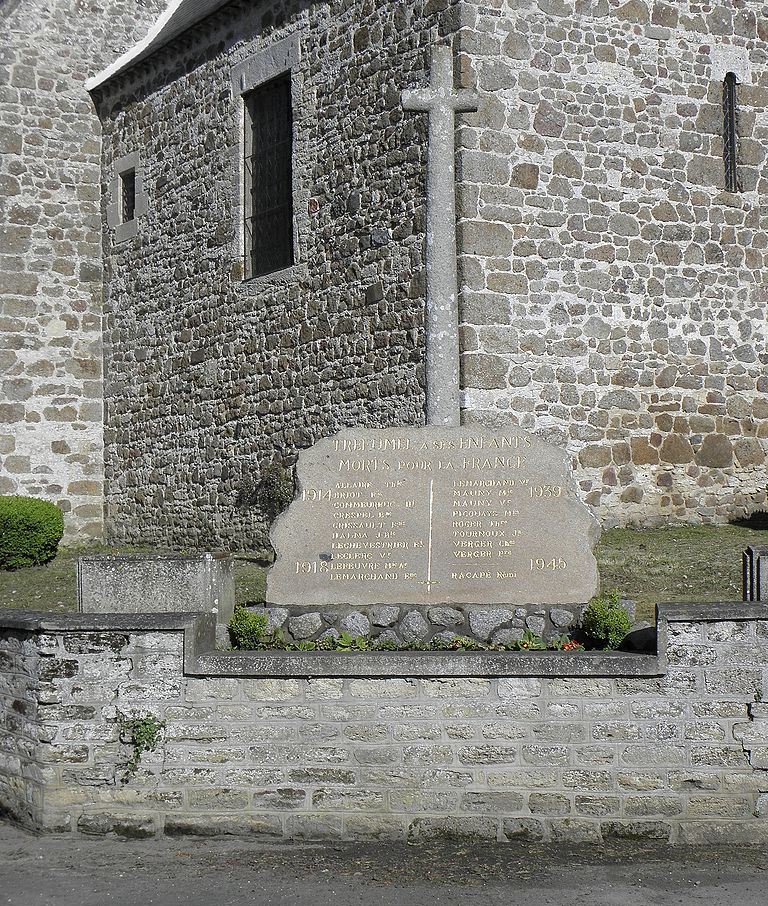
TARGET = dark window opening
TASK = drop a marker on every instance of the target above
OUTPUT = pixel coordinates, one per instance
(269, 178)
(730, 133)
(128, 195)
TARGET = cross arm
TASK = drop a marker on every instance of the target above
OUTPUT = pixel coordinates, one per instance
(417, 99)
(465, 101)
(426, 99)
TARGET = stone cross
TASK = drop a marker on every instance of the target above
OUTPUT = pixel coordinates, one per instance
(442, 101)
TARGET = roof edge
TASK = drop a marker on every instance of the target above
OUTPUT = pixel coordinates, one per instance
(177, 17)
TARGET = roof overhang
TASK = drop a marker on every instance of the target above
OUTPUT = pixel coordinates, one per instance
(177, 17)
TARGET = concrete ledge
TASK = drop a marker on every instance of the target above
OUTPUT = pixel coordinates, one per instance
(199, 628)
(426, 664)
(710, 612)
(43, 621)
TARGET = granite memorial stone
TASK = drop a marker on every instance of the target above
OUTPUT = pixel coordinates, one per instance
(434, 516)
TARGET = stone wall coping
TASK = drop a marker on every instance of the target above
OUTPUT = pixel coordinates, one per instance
(202, 659)
(44, 621)
(426, 664)
(707, 612)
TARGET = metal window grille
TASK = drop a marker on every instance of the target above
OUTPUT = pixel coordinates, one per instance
(269, 184)
(128, 195)
(730, 126)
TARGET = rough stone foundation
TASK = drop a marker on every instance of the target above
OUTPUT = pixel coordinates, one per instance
(502, 624)
(553, 746)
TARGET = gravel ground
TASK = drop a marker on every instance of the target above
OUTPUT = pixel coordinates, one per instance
(79, 871)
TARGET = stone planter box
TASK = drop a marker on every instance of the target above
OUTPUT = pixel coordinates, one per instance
(151, 583)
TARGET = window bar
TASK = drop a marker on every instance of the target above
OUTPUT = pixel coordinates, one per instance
(730, 123)
(128, 195)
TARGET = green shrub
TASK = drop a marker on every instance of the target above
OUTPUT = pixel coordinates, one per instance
(606, 620)
(276, 489)
(30, 531)
(247, 629)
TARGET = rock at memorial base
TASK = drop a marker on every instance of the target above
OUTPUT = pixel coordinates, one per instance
(483, 622)
(507, 637)
(389, 637)
(434, 516)
(414, 628)
(276, 617)
(385, 615)
(305, 625)
(536, 624)
(355, 624)
(562, 618)
(446, 616)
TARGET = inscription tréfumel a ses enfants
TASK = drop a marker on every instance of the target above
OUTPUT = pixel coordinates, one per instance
(433, 516)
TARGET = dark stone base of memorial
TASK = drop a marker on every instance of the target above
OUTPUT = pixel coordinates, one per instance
(405, 624)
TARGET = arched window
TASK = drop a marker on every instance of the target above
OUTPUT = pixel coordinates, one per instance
(730, 137)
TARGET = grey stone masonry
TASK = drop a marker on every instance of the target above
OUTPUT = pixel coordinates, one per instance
(258, 369)
(21, 771)
(136, 583)
(51, 395)
(667, 747)
(612, 293)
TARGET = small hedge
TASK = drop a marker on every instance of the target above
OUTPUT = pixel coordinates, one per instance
(30, 531)
(606, 620)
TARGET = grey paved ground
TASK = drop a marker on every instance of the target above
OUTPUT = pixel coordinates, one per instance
(77, 871)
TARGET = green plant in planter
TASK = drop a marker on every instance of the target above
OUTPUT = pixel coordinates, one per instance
(606, 620)
(565, 643)
(347, 642)
(142, 733)
(461, 643)
(247, 629)
(30, 531)
(530, 642)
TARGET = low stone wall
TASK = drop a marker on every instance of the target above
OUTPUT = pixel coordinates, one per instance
(500, 746)
(21, 733)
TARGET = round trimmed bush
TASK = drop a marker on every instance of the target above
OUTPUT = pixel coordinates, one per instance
(30, 531)
(606, 620)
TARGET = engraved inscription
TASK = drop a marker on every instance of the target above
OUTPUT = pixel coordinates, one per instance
(433, 515)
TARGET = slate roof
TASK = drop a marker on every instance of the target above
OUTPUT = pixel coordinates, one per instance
(177, 17)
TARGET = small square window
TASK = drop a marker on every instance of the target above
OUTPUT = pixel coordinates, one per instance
(127, 196)
(269, 177)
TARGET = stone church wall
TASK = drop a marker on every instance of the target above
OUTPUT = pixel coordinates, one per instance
(50, 248)
(614, 295)
(208, 376)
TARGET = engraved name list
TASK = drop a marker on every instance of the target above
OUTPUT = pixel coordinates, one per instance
(432, 515)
